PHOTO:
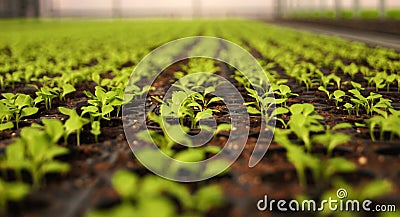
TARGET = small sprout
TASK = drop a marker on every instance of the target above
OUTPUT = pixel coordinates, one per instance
(75, 123)
(357, 86)
(17, 106)
(35, 151)
(47, 95)
(338, 94)
(284, 92)
(331, 140)
(222, 127)
(323, 89)
(66, 89)
(11, 191)
(349, 107)
(96, 131)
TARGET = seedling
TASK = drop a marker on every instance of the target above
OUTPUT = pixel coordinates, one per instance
(330, 140)
(356, 85)
(388, 123)
(349, 107)
(17, 106)
(351, 69)
(303, 121)
(323, 89)
(35, 152)
(11, 191)
(322, 171)
(165, 142)
(46, 94)
(285, 92)
(75, 123)
(338, 94)
(96, 131)
(222, 127)
(100, 103)
(153, 191)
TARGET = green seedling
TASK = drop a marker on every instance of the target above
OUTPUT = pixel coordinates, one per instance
(47, 95)
(322, 171)
(385, 123)
(11, 191)
(16, 106)
(284, 92)
(100, 102)
(351, 69)
(323, 89)
(153, 191)
(303, 121)
(66, 89)
(356, 86)
(35, 151)
(338, 94)
(222, 127)
(53, 127)
(349, 107)
(74, 123)
(181, 105)
(263, 102)
(330, 139)
(165, 142)
(96, 131)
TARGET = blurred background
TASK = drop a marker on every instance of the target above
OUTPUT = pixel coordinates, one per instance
(260, 9)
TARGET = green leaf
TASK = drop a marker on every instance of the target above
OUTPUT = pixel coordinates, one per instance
(55, 167)
(125, 183)
(67, 88)
(54, 128)
(65, 111)
(252, 110)
(190, 155)
(5, 126)
(342, 126)
(14, 191)
(29, 111)
(208, 197)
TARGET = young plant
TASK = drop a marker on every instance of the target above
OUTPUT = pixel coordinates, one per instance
(330, 140)
(101, 103)
(17, 106)
(47, 94)
(165, 142)
(66, 89)
(74, 123)
(11, 191)
(349, 107)
(303, 121)
(35, 151)
(139, 195)
(386, 123)
(96, 131)
(321, 170)
(284, 92)
(338, 94)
